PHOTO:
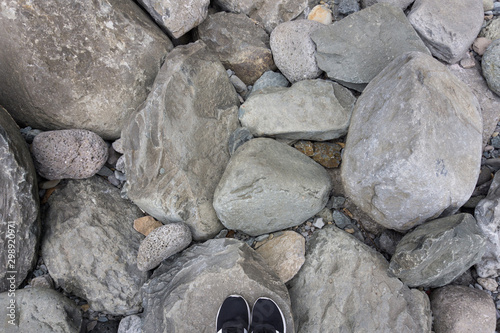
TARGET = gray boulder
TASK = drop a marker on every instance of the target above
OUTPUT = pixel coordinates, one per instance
(39, 310)
(175, 149)
(487, 214)
(403, 4)
(309, 110)
(176, 17)
(392, 166)
(355, 49)
(270, 186)
(439, 251)
(294, 51)
(19, 207)
(86, 65)
(491, 66)
(185, 292)
(344, 286)
(241, 45)
(448, 31)
(90, 246)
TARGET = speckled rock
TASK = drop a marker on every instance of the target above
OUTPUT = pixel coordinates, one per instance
(491, 66)
(162, 243)
(39, 310)
(82, 65)
(492, 30)
(460, 309)
(327, 154)
(269, 186)
(20, 227)
(130, 324)
(294, 51)
(449, 36)
(74, 153)
(90, 247)
(177, 17)
(284, 254)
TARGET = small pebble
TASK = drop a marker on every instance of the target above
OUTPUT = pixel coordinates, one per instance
(478, 286)
(488, 283)
(321, 14)
(105, 172)
(318, 223)
(112, 179)
(102, 319)
(146, 224)
(120, 176)
(118, 146)
(261, 237)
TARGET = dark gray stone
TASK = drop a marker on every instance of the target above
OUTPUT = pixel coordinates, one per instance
(19, 207)
(439, 251)
(237, 138)
(185, 292)
(388, 240)
(270, 79)
(77, 65)
(90, 246)
(346, 7)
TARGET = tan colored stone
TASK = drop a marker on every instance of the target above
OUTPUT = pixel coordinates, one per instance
(481, 44)
(285, 254)
(321, 14)
(488, 283)
(146, 224)
(327, 154)
(305, 147)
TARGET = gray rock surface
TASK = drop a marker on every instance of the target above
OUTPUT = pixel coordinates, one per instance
(237, 138)
(344, 286)
(162, 243)
(185, 293)
(487, 214)
(439, 251)
(448, 31)
(346, 7)
(176, 149)
(39, 310)
(241, 45)
(269, 13)
(491, 30)
(269, 186)
(294, 51)
(403, 168)
(177, 17)
(90, 246)
(19, 207)
(491, 66)
(403, 4)
(85, 65)
(270, 79)
(73, 153)
(355, 49)
(309, 110)
(460, 309)
(130, 324)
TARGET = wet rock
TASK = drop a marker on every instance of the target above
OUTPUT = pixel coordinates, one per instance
(357, 276)
(173, 169)
(439, 251)
(185, 292)
(90, 247)
(490, 65)
(391, 166)
(146, 224)
(269, 186)
(73, 153)
(86, 65)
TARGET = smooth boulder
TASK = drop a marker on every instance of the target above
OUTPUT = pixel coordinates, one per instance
(19, 206)
(413, 151)
(344, 286)
(176, 149)
(82, 65)
(490, 65)
(269, 186)
(185, 292)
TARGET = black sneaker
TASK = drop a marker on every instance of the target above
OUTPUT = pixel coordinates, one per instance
(267, 317)
(233, 315)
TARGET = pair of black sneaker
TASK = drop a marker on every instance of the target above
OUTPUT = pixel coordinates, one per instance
(234, 316)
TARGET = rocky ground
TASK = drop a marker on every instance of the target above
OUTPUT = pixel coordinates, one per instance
(340, 157)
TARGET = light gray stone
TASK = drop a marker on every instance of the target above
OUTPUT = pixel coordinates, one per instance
(81, 65)
(487, 214)
(344, 286)
(73, 153)
(177, 17)
(491, 30)
(270, 79)
(439, 251)
(39, 310)
(488, 5)
(130, 324)
(448, 31)
(403, 168)
(355, 49)
(269, 186)
(162, 243)
(294, 51)
(176, 149)
(309, 110)
(90, 246)
(460, 309)
(240, 44)
(20, 226)
(185, 292)
(403, 4)
(491, 66)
